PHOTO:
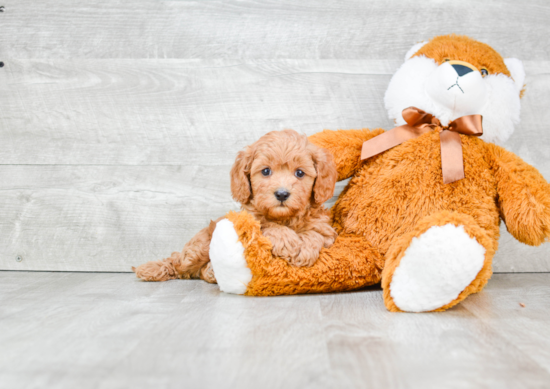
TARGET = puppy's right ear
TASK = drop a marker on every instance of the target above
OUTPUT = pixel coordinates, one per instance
(323, 189)
(240, 176)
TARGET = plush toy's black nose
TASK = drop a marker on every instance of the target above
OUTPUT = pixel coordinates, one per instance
(282, 195)
(461, 69)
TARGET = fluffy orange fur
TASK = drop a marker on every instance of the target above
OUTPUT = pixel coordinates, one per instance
(399, 194)
(463, 48)
(342, 267)
(397, 251)
(297, 228)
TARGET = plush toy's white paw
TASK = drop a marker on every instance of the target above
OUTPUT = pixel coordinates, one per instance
(227, 257)
(436, 268)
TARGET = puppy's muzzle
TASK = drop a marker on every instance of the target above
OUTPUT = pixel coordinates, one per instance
(282, 195)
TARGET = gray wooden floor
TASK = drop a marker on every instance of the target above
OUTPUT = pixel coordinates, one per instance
(105, 330)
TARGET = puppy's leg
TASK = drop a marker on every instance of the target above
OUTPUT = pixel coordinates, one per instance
(187, 264)
(286, 243)
(328, 233)
(158, 270)
(299, 249)
(319, 235)
(312, 243)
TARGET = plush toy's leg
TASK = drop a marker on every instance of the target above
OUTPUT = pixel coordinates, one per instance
(243, 263)
(443, 260)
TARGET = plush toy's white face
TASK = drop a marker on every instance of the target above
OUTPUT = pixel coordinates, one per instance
(457, 85)
(450, 88)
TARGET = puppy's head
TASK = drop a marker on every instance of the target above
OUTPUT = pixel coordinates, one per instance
(282, 174)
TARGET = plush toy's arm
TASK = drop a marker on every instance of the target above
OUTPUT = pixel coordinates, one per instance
(345, 146)
(523, 197)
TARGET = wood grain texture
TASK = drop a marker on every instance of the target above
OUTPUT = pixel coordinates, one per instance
(119, 119)
(105, 217)
(174, 112)
(177, 112)
(111, 163)
(86, 330)
(352, 29)
(372, 348)
(110, 218)
(527, 299)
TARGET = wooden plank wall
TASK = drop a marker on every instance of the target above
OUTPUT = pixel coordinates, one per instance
(119, 120)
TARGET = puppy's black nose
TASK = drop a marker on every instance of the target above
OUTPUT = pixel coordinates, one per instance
(461, 70)
(282, 195)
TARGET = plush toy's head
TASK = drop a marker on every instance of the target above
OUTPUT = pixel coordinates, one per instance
(451, 76)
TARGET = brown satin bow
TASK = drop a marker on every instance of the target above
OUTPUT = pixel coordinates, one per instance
(420, 122)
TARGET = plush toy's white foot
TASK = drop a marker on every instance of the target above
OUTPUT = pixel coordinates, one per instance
(436, 268)
(227, 257)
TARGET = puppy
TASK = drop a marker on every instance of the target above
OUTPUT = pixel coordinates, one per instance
(283, 180)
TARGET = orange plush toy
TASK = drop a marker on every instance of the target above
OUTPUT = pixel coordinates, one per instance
(421, 212)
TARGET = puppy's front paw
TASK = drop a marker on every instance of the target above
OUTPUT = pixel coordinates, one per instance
(285, 250)
(329, 241)
(306, 257)
(329, 235)
(286, 243)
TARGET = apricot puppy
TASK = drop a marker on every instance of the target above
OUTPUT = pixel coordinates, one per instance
(283, 180)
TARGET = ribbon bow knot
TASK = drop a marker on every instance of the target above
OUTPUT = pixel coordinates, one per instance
(420, 122)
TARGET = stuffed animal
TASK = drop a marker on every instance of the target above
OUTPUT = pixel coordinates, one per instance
(421, 212)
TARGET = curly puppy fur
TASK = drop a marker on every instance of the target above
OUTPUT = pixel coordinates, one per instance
(283, 181)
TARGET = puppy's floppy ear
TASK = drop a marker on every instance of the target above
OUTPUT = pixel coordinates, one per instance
(323, 189)
(240, 176)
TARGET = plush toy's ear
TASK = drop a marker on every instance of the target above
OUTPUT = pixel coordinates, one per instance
(240, 176)
(414, 49)
(323, 189)
(515, 66)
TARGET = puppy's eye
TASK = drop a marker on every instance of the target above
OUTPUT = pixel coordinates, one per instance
(446, 59)
(299, 173)
(266, 172)
(484, 72)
